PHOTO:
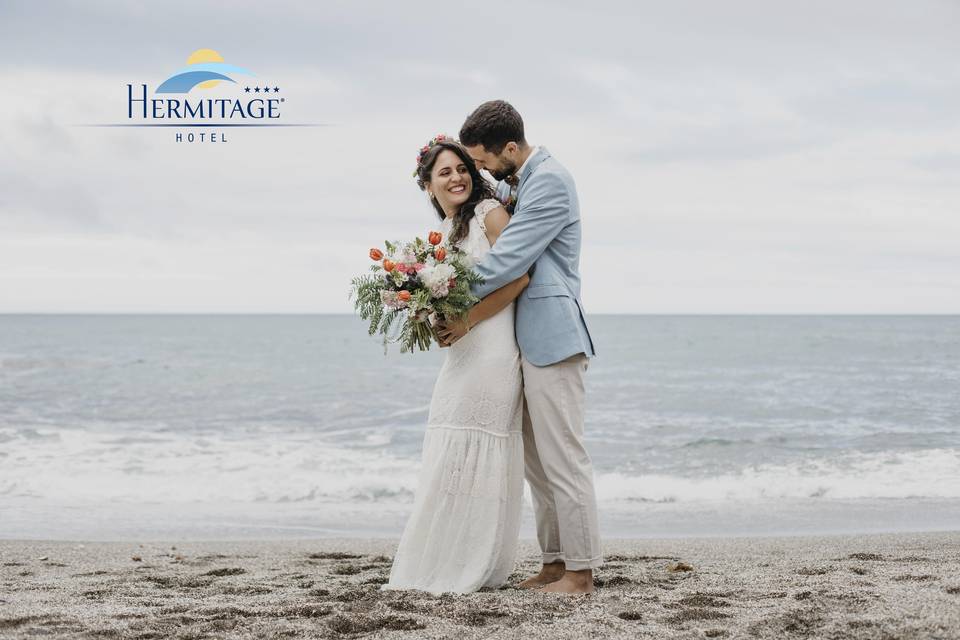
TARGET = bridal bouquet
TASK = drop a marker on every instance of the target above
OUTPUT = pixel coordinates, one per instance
(411, 287)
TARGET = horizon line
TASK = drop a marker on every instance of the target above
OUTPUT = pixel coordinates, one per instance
(349, 313)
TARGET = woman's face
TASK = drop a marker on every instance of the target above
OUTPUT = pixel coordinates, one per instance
(450, 181)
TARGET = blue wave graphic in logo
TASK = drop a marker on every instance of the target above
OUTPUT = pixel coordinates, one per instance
(186, 78)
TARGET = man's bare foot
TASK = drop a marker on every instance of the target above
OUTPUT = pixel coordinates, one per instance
(549, 573)
(571, 582)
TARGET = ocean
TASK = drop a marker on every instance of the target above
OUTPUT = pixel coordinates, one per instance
(140, 427)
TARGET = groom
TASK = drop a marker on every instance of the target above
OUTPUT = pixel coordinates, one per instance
(543, 238)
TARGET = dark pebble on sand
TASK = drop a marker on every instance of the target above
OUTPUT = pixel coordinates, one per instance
(229, 571)
(345, 570)
(333, 555)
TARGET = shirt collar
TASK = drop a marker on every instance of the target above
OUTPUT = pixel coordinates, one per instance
(533, 152)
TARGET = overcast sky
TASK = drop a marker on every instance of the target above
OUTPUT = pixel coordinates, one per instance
(730, 157)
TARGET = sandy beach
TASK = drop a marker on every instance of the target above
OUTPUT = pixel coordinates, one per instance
(876, 586)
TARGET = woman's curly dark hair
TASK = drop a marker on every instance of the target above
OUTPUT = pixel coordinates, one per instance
(481, 188)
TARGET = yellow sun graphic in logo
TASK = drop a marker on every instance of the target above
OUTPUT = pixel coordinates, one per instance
(205, 55)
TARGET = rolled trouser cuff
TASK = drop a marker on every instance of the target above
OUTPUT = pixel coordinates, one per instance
(553, 556)
(580, 565)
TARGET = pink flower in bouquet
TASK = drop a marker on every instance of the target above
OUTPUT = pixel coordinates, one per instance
(392, 299)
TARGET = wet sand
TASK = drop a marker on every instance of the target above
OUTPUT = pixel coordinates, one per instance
(870, 587)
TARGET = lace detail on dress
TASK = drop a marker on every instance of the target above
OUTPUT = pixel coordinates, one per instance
(482, 209)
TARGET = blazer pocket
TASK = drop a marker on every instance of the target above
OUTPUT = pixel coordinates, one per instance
(547, 290)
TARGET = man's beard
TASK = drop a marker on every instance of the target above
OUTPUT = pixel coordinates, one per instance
(508, 169)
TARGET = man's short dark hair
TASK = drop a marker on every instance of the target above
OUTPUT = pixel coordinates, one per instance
(493, 124)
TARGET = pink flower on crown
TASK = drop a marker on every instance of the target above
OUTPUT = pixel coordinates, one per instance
(437, 138)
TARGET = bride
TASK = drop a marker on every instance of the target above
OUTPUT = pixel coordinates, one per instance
(463, 532)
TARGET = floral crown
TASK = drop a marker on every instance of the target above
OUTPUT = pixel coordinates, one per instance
(440, 137)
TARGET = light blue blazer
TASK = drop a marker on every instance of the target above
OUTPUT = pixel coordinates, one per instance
(543, 234)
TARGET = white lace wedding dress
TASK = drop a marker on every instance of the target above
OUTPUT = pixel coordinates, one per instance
(462, 534)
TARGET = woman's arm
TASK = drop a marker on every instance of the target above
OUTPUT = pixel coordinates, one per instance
(496, 301)
(486, 308)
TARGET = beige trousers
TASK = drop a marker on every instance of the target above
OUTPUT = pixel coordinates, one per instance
(557, 465)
